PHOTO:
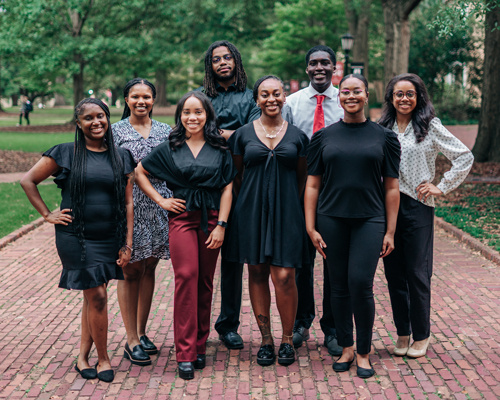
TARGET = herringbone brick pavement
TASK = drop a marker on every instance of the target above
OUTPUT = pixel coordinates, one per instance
(39, 338)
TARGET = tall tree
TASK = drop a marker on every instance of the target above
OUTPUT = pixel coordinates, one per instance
(358, 17)
(487, 146)
(397, 36)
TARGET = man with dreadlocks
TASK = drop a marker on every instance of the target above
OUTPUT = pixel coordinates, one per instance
(225, 83)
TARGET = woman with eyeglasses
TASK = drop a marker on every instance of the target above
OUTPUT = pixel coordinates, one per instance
(351, 203)
(409, 112)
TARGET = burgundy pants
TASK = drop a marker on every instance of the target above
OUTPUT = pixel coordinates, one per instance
(194, 267)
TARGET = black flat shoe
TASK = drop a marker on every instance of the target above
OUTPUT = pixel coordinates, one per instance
(342, 366)
(105, 376)
(87, 373)
(286, 354)
(265, 355)
(365, 373)
(200, 361)
(136, 356)
(148, 346)
(186, 370)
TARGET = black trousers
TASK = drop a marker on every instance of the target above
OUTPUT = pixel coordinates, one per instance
(304, 278)
(26, 115)
(408, 269)
(352, 252)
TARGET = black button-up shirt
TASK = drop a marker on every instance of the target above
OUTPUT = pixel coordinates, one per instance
(234, 109)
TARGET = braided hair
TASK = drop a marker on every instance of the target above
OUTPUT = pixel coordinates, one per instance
(210, 80)
(211, 131)
(421, 116)
(126, 90)
(78, 175)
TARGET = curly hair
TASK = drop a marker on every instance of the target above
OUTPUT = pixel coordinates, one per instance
(421, 116)
(126, 90)
(259, 82)
(211, 131)
(210, 79)
(78, 178)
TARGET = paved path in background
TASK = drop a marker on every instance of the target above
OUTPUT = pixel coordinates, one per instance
(40, 329)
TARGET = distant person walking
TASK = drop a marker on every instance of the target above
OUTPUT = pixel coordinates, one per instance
(140, 134)
(26, 108)
(409, 112)
(94, 224)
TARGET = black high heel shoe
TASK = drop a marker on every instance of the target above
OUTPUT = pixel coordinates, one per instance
(186, 370)
(136, 356)
(148, 346)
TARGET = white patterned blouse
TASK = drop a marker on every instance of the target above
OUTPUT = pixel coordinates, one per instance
(418, 160)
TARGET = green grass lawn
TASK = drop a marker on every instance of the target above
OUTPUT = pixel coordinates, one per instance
(32, 142)
(54, 116)
(477, 212)
(15, 208)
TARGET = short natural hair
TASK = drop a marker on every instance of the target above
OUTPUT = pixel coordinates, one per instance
(324, 48)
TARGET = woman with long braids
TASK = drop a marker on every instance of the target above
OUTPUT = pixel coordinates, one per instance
(197, 166)
(139, 133)
(267, 230)
(351, 204)
(94, 224)
(408, 111)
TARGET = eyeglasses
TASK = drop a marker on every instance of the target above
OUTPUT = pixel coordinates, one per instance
(410, 94)
(355, 92)
(217, 60)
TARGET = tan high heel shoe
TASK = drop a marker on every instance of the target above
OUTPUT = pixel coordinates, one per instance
(414, 353)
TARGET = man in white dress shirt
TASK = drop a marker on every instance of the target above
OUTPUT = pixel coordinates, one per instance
(311, 109)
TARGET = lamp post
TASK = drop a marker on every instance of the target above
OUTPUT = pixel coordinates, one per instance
(347, 42)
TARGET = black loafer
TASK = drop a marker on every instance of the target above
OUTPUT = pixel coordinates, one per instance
(87, 373)
(232, 340)
(265, 355)
(148, 346)
(342, 366)
(200, 361)
(186, 370)
(105, 376)
(300, 334)
(286, 354)
(332, 345)
(137, 355)
(365, 373)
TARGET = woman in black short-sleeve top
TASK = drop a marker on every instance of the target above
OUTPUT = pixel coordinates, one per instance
(94, 224)
(351, 202)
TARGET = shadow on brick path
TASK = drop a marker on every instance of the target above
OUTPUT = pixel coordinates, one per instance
(40, 324)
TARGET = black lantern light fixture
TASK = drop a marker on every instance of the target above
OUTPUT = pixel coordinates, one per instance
(347, 41)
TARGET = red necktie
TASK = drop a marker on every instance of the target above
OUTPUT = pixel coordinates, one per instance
(319, 114)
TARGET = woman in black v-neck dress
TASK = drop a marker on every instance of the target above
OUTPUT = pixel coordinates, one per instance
(197, 166)
(267, 230)
(95, 223)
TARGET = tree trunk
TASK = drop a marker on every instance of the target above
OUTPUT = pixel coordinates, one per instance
(487, 146)
(397, 36)
(161, 88)
(78, 90)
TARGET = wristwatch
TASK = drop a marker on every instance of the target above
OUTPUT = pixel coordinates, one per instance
(222, 223)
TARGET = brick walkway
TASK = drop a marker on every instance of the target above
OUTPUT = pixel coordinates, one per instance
(39, 336)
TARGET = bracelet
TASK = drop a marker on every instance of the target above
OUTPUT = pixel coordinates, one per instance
(128, 247)
(222, 223)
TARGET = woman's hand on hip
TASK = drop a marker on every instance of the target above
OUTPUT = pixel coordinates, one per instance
(427, 189)
(216, 238)
(173, 205)
(318, 242)
(387, 245)
(60, 217)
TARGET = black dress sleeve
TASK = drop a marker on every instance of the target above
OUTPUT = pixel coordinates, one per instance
(62, 154)
(235, 141)
(392, 155)
(128, 161)
(228, 171)
(315, 164)
(303, 143)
